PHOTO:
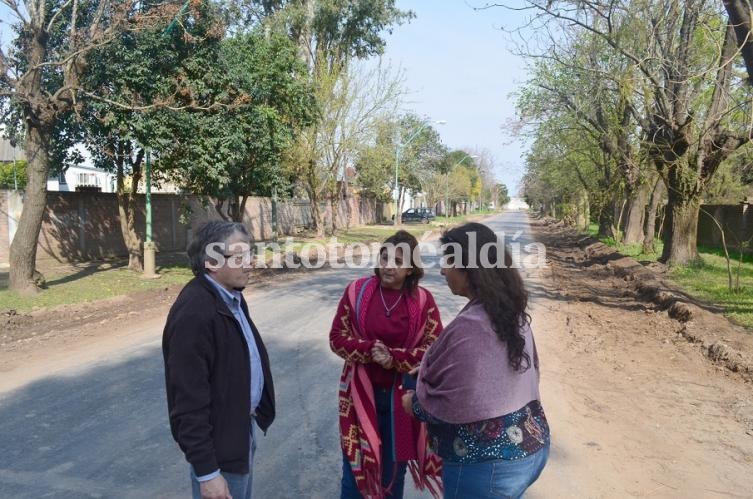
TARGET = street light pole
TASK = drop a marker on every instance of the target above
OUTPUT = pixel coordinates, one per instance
(447, 183)
(150, 248)
(400, 147)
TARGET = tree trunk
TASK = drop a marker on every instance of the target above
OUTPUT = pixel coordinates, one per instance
(649, 222)
(127, 210)
(680, 229)
(23, 249)
(635, 216)
(739, 17)
(400, 201)
(317, 217)
(335, 209)
(606, 220)
(583, 215)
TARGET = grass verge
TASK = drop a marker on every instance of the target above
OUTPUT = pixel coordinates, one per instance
(97, 281)
(707, 280)
(90, 283)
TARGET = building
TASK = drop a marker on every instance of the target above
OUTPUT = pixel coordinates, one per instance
(82, 178)
(517, 204)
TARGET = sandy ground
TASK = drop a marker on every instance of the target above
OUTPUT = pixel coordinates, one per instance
(636, 409)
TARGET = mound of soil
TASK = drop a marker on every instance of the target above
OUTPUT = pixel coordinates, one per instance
(585, 269)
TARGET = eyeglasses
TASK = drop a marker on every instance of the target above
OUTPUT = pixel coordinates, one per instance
(239, 258)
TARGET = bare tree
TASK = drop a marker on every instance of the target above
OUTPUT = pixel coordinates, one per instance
(351, 102)
(692, 121)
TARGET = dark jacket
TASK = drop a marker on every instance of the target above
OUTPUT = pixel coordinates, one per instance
(208, 380)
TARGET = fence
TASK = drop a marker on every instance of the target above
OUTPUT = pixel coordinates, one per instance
(735, 219)
(81, 226)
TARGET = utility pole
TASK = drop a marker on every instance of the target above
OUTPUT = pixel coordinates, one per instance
(150, 249)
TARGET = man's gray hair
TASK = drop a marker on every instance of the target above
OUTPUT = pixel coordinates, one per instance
(213, 231)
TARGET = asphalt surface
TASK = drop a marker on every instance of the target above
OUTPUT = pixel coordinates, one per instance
(101, 430)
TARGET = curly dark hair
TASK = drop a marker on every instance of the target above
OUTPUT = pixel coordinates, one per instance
(499, 288)
(401, 239)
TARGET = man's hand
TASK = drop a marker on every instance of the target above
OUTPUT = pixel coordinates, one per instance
(381, 355)
(407, 401)
(216, 488)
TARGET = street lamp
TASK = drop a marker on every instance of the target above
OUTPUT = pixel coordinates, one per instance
(447, 182)
(399, 148)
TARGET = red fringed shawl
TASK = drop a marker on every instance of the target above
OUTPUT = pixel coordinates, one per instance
(359, 434)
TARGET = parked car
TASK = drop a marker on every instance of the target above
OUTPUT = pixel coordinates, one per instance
(423, 215)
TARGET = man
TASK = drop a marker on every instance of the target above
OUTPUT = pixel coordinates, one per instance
(217, 372)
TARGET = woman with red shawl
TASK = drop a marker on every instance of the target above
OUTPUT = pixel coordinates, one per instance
(383, 326)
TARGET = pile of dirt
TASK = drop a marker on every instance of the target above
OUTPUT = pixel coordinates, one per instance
(585, 269)
(22, 330)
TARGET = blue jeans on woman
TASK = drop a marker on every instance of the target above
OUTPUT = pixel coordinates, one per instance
(499, 478)
(349, 490)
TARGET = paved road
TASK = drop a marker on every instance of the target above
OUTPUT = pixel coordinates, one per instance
(100, 430)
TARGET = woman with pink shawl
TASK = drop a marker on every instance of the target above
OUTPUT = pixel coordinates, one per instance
(478, 384)
(383, 326)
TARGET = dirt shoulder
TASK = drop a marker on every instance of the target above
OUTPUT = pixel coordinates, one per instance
(638, 403)
(32, 343)
(586, 270)
(648, 394)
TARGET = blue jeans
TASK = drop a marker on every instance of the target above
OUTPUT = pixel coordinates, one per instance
(239, 484)
(349, 490)
(500, 478)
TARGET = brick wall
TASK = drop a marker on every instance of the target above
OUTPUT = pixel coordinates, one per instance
(80, 226)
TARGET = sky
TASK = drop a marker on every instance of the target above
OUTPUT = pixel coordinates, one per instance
(458, 67)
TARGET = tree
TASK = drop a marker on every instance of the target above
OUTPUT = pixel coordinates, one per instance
(170, 64)
(691, 118)
(739, 12)
(13, 174)
(41, 78)
(235, 152)
(375, 164)
(331, 34)
(421, 154)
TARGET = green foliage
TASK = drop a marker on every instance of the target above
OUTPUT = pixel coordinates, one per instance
(421, 154)
(376, 163)
(502, 195)
(235, 151)
(733, 182)
(708, 281)
(13, 173)
(340, 30)
(165, 67)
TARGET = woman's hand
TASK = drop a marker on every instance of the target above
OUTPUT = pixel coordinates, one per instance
(407, 401)
(381, 355)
